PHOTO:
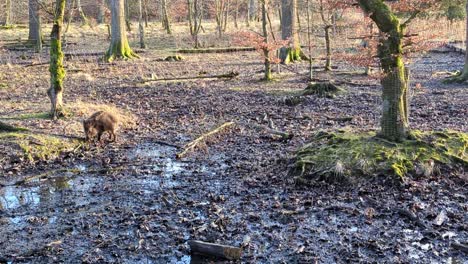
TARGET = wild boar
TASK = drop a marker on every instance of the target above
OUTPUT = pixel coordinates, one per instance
(98, 123)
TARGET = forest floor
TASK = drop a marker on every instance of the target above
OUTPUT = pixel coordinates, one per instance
(133, 202)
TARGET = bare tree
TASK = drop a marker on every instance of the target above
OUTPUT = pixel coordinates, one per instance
(35, 32)
(119, 47)
(56, 69)
(195, 15)
(140, 25)
(7, 12)
(165, 17)
(266, 52)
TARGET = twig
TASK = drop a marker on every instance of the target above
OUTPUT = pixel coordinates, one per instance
(201, 139)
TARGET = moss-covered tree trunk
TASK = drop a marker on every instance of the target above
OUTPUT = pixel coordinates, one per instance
(35, 33)
(119, 47)
(57, 71)
(266, 52)
(463, 76)
(289, 32)
(394, 122)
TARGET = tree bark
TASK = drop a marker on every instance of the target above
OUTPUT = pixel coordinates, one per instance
(100, 17)
(8, 12)
(394, 122)
(35, 33)
(119, 47)
(127, 16)
(165, 18)
(328, 66)
(140, 26)
(289, 31)
(266, 53)
(56, 69)
(252, 8)
(85, 21)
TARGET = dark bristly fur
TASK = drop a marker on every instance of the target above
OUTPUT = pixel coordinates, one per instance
(98, 123)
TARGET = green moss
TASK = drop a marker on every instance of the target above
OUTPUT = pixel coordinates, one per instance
(39, 147)
(120, 50)
(323, 89)
(345, 156)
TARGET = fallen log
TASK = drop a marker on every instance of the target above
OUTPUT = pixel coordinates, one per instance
(215, 250)
(202, 139)
(220, 76)
(215, 50)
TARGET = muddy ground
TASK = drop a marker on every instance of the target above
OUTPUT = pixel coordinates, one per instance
(133, 202)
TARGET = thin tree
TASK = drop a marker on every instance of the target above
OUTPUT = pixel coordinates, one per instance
(101, 8)
(140, 25)
(56, 69)
(35, 32)
(119, 47)
(327, 26)
(309, 40)
(84, 19)
(165, 17)
(266, 51)
(7, 13)
(195, 15)
(289, 32)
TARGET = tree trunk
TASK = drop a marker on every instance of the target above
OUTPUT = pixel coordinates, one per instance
(71, 8)
(145, 9)
(395, 113)
(8, 12)
(252, 10)
(35, 33)
(309, 40)
(100, 17)
(56, 69)
(266, 53)
(127, 16)
(165, 18)
(236, 15)
(464, 74)
(328, 66)
(289, 31)
(119, 47)
(140, 26)
(83, 17)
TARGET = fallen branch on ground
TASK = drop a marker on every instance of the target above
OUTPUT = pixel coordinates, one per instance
(203, 138)
(220, 76)
(284, 135)
(216, 250)
(215, 50)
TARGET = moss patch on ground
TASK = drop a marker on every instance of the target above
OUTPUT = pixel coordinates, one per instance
(346, 156)
(323, 89)
(38, 146)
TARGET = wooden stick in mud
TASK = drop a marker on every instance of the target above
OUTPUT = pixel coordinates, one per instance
(201, 139)
(216, 250)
